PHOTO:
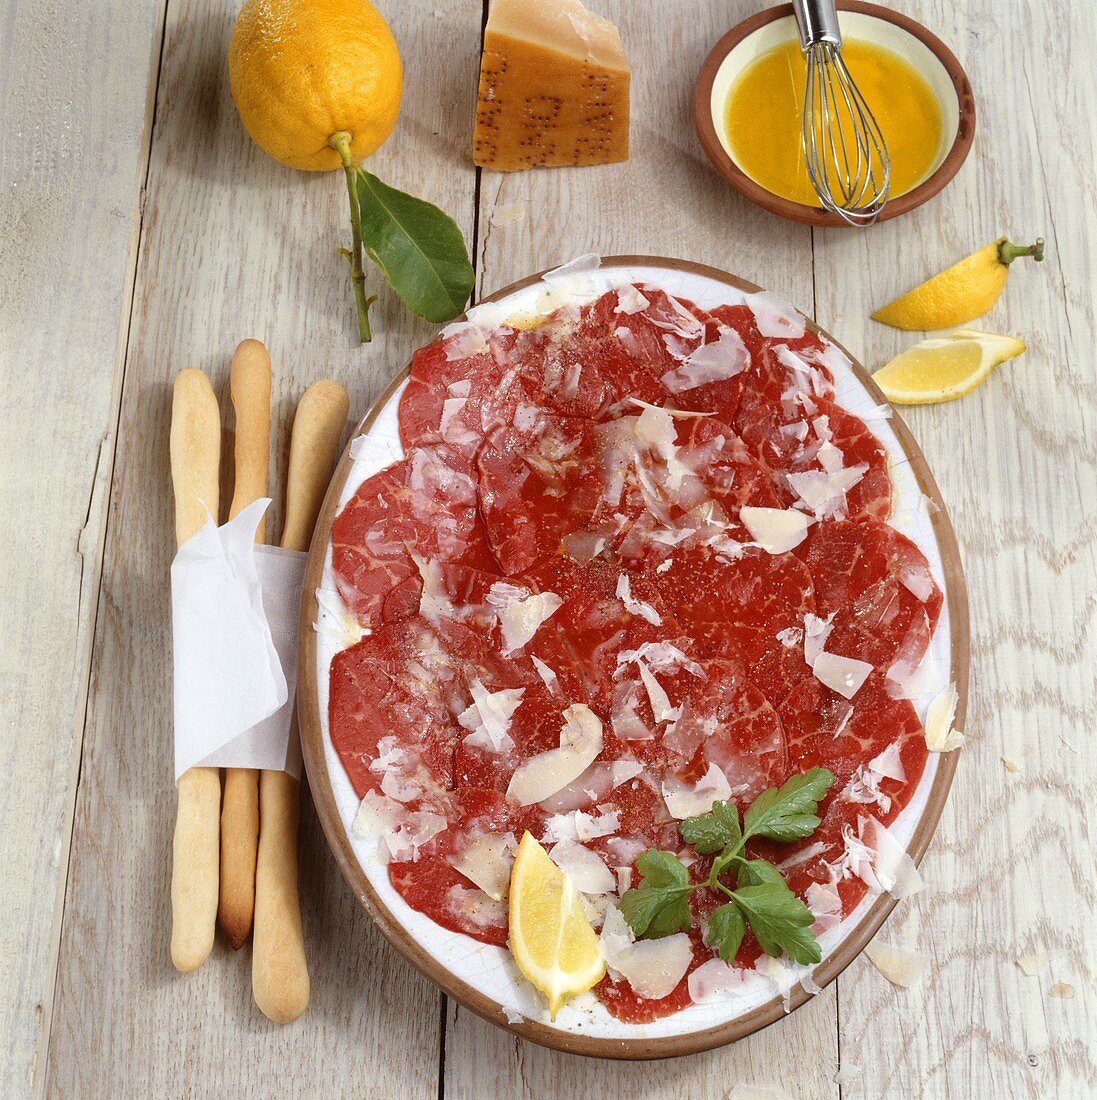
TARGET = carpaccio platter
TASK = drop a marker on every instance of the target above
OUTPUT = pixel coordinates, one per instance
(653, 532)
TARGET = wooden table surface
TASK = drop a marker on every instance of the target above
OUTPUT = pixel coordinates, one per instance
(143, 233)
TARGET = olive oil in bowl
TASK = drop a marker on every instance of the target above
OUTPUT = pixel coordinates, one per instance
(765, 109)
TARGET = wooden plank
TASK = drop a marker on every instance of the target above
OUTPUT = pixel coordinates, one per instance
(1010, 871)
(73, 150)
(235, 245)
(665, 201)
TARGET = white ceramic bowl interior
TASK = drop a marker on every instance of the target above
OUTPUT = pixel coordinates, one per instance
(490, 970)
(866, 28)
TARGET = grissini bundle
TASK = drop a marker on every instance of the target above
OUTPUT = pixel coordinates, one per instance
(195, 461)
(249, 385)
(279, 976)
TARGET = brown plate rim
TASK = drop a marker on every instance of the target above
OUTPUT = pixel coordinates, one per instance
(312, 744)
(810, 215)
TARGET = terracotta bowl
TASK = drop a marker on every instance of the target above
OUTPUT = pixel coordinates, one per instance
(471, 972)
(868, 22)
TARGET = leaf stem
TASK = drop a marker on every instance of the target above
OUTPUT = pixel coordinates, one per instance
(340, 141)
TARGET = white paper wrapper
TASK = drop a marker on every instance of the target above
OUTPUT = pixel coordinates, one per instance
(234, 610)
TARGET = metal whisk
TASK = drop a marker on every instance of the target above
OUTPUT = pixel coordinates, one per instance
(844, 151)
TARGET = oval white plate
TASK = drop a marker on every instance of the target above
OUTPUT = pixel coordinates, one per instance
(481, 976)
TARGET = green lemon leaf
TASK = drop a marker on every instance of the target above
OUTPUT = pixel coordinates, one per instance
(708, 833)
(788, 812)
(780, 921)
(419, 249)
(725, 930)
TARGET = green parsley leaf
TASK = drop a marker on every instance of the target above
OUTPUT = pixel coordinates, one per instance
(757, 872)
(659, 906)
(708, 833)
(662, 869)
(725, 930)
(780, 921)
(788, 812)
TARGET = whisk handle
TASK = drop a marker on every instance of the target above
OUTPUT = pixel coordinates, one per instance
(817, 21)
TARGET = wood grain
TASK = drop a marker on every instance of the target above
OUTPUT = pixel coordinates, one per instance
(74, 124)
(235, 245)
(1010, 871)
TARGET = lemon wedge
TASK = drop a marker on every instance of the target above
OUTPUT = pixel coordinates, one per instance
(550, 937)
(960, 293)
(945, 367)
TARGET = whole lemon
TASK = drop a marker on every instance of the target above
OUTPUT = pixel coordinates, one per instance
(301, 70)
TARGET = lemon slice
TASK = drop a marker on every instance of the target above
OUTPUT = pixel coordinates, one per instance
(960, 293)
(550, 937)
(945, 367)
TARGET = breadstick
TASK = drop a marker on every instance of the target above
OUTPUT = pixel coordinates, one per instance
(195, 458)
(320, 420)
(249, 384)
(279, 973)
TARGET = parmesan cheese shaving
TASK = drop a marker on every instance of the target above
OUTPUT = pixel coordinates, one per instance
(1062, 990)
(1031, 965)
(776, 530)
(578, 825)
(816, 633)
(900, 967)
(774, 317)
(940, 735)
(434, 601)
(718, 361)
(543, 775)
(660, 656)
(652, 967)
(717, 980)
(825, 903)
(521, 619)
(630, 300)
(634, 606)
(486, 862)
(488, 717)
(588, 874)
(548, 675)
(660, 701)
(845, 675)
(878, 859)
(687, 800)
(822, 492)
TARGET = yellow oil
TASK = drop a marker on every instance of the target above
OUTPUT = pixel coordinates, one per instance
(765, 107)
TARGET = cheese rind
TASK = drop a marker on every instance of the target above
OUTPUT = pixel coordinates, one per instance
(554, 88)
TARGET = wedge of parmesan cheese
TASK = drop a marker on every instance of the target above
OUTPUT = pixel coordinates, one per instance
(554, 88)
(543, 775)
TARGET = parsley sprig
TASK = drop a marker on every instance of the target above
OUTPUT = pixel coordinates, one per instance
(758, 895)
